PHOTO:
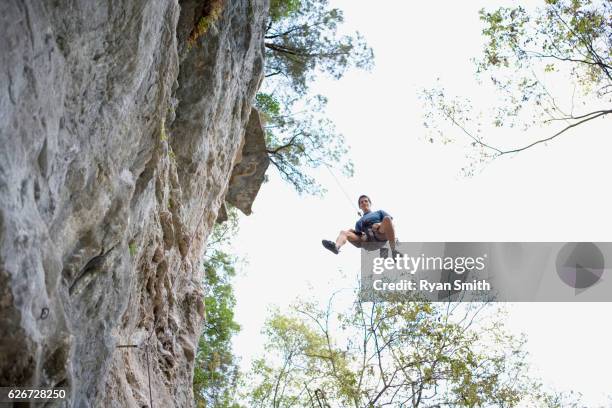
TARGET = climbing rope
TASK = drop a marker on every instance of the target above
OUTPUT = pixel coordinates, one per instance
(351, 202)
(148, 369)
(149, 374)
(146, 347)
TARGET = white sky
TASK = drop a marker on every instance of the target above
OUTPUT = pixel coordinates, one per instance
(558, 192)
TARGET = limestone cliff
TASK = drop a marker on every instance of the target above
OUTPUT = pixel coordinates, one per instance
(120, 125)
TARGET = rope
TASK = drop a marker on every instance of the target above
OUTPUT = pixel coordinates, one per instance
(148, 369)
(352, 204)
(147, 357)
(149, 374)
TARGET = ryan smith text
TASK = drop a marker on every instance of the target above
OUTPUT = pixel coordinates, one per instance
(426, 286)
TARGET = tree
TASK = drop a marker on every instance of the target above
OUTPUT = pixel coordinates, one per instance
(216, 373)
(565, 42)
(301, 42)
(300, 140)
(401, 353)
(302, 39)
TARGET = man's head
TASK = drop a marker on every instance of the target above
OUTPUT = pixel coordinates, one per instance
(364, 203)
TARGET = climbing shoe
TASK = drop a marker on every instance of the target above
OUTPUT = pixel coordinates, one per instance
(330, 245)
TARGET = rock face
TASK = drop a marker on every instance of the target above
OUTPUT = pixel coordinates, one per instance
(119, 132)
(249, 173)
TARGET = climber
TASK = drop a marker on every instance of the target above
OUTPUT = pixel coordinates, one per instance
(372, 231)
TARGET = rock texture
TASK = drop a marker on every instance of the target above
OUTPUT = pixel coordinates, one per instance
(249, 173)
(117, 141)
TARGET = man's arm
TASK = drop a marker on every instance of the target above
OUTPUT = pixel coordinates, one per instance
(358, 227)
(384, 214)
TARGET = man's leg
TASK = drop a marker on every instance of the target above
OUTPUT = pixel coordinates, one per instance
(347, 235)
(388, 230)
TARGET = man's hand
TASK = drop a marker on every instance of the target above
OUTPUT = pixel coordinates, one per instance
(362, 236)
(376, 226)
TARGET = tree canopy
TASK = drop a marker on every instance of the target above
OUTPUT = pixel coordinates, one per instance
(409, 354)
(552, 67)
(302, 139)
(216, 373)
(303, 40)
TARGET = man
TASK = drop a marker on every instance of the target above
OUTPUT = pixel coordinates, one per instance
(372, 231)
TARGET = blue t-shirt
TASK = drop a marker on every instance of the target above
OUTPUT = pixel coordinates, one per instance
(370, 218)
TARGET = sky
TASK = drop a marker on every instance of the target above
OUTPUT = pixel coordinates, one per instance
(556, 192)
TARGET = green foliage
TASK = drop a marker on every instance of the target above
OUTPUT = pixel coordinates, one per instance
(268, 106)
(163, 136)
(132, 248)
(216, 373)
(280, 9)
(526, 53)
(301, 140)
(302, 40)
(212, 12)
(387, 353)
(572, 32)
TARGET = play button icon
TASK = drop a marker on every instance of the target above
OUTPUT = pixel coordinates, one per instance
(580, 265)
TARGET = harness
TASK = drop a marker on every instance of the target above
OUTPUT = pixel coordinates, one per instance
(370, 234)
(372, 242)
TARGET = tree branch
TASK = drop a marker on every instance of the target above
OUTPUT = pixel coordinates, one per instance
(501, 152)
(602, 113)
(286, 145)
